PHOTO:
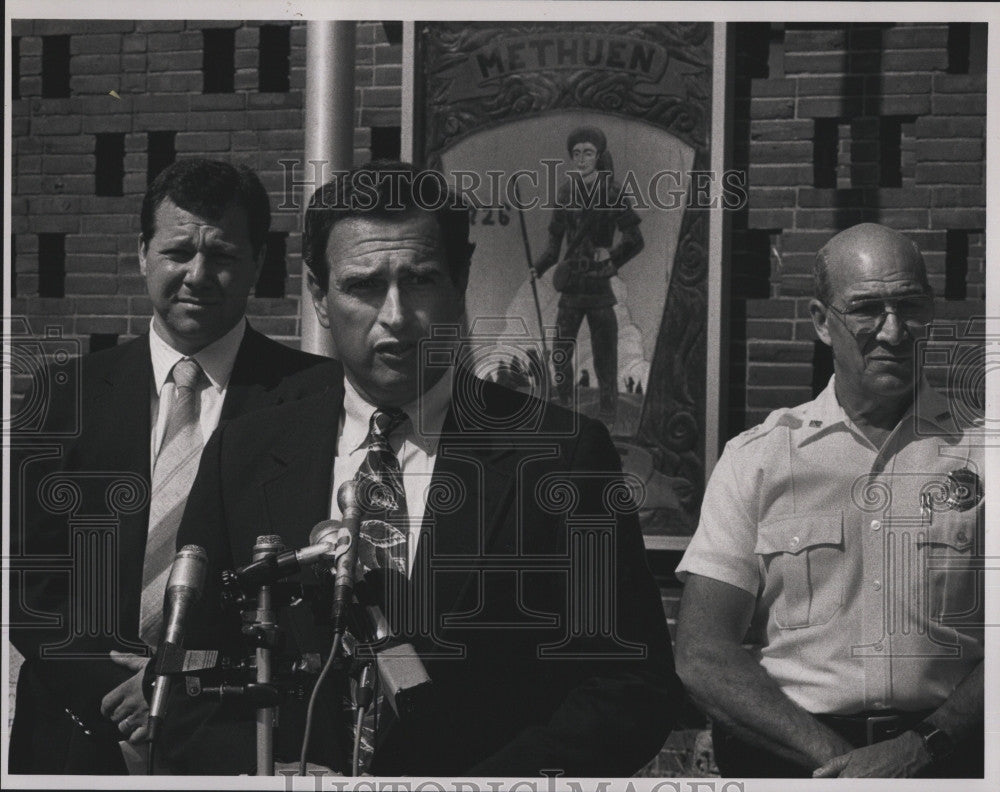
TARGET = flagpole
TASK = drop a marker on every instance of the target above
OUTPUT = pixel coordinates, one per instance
(329, 139)
(534, 289)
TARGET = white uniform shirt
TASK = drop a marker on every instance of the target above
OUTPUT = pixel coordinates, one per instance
(865, 577)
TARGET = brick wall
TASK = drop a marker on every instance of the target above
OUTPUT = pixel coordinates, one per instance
(836, 125)
(155, 69)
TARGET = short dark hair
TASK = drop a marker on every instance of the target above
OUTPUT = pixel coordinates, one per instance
(206, 188)
(387, 189)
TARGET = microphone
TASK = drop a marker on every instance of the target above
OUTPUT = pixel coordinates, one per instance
(328, 543)
(343, 585)
(184, 587)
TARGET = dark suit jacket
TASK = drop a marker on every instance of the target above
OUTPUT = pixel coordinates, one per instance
(512, 564)
(58, 726)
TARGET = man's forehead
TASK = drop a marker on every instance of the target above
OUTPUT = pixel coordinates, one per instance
(355, 238)
(171, 218)
(871, 255)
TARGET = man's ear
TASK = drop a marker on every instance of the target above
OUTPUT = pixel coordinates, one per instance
(318, 299)
(821, 317)
(142, 255)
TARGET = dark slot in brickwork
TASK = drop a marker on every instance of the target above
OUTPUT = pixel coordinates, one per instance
(275, 49)
(271, 281)
(13, 266)
(218, 60)
(15, 67)
(55, 67)
(386, 142)
(956, 264)
(977, 48)
(99, 341)
(393, 31)
(752, 263)
(825, 141)
(109, 166)
(51, 265)
(959, 40)
(822, 367)
(160, 152)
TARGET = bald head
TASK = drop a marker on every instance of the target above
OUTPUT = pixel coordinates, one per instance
(860, 250)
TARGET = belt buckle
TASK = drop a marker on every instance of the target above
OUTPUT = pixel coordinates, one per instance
(876, 725)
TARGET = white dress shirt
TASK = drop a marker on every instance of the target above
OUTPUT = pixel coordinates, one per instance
(415, 444)
(216, 360)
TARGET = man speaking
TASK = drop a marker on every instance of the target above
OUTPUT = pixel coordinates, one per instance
(486, 494)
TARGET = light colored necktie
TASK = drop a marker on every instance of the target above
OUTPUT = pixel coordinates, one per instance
(173, 474)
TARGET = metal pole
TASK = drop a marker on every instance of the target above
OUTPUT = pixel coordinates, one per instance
(329, 102)
(265, 546)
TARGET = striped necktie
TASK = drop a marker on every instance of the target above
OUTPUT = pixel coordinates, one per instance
(173, 474)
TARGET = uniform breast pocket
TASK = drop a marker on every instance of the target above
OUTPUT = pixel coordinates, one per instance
(803, 558)
(951, 557)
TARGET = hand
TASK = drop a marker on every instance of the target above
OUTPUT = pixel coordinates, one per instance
(602, 254)
(900, 757)
(125, 705)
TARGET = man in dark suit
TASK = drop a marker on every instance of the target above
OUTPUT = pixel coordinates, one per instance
(204, 225)
(525, 590)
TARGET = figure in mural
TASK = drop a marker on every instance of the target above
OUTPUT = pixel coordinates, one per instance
(590, 210)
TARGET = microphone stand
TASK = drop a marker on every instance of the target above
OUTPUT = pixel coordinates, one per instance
(263, 627)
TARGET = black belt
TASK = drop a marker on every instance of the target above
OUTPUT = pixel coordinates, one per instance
(868, 728)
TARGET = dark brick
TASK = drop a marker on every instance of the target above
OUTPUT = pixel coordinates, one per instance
(174, 42)
(834, 107)
(797, 263)
(90, 284)
(771, 218)
(388, 75)
(780, 175)
(947, 197)
(902, 219)
(108, 224)
(780, 351)
(772, 108)
(772, 198)
(160, 121)
(898, 105)
(950, 126)
(95, 84)
(772, 375)
(85, 325)
(958, 218)
(98, 64)
(101, 305)
(815, 62)
(133, 43)
(202, 141)
(381, 97)
(159, 26)
(772, 88)
(91, 263)
(219, 102)
(766, 329)
(90, 244)
(960, 83)
(910, 60)
(783, 152)
(805, 331)
(56, 125)
(174, 82)
(110, 122)
(274, 119)
(916, 37)
(950, 150)
(844, 85)
(770, 309)
(898, 198)
(187, 60)
(804, 241)
(959, 104)
(134, 63)
(159, 103)
(225, 120)
(898, 83)
(283, 100)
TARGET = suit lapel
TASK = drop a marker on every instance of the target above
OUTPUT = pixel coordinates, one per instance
(245, 383)
(297, 475)
(121, 433)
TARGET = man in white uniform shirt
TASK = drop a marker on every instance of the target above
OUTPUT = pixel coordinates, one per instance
(831, 621)
(480, 524)
(147, 407)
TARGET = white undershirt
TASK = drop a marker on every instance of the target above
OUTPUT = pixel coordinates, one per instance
(216, 360)
(415, 443)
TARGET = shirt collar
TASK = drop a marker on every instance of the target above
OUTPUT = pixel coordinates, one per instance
(216, 360)
(824, 413)
(426, 416)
